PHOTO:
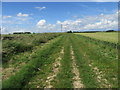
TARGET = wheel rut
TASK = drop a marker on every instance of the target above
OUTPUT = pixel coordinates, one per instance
(77, 83)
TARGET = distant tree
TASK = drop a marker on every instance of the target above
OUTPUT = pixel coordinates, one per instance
(22, 33)
(17, 32)
(110, 31)
(69, 31)
(27, 32)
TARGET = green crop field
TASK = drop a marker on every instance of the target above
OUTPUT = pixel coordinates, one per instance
(60, 60)
(109, 36)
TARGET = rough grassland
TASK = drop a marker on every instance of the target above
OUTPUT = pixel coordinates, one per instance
(67, 61)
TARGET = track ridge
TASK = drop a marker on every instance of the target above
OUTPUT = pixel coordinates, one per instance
(100, 77)
(55, 69)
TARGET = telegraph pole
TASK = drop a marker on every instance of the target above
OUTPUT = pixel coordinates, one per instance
(61, 27)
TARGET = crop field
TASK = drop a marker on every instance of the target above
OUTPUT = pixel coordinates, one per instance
(109, 36)
(60, 60)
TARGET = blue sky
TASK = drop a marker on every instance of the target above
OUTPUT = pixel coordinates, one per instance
(47, 16)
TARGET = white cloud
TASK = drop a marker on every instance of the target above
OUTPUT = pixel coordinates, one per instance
(14, 20)
(42, 26)
(4, 30)
(22, 15)
(40, 8)
(4, 17)
(7, 29)
(100, 22)
(41, 23)
(59, 22)
(22, 19)
(7, 22)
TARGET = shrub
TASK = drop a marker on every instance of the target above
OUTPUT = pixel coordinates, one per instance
(23, 42)
(12, 48)
(39, 41)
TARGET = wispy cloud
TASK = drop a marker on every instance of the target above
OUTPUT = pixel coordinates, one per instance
(4, 17)
(40, 8)
(99, 22)
(19, 19)
(22, 15)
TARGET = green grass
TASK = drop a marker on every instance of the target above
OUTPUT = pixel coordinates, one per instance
(46, 69)
(65, 75)
(86, 51)
(105, 36)
(102, 56)
(23, 43)
(86, 73)
(23, 76)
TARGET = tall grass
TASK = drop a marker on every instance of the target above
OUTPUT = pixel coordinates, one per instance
(46, 69)
(21, 78)
(24, 42)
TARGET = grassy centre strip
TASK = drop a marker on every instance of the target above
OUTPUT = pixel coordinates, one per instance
(65, 75)
(55, 69)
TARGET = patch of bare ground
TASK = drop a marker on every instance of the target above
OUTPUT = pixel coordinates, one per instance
(55, 70)
(100, 77)
(7, 72)
(76, 79)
